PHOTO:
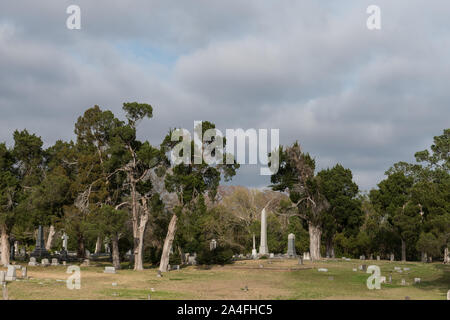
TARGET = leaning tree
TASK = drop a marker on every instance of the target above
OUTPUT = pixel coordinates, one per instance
(296, 176)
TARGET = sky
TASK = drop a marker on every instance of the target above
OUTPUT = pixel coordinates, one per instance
(312, 69)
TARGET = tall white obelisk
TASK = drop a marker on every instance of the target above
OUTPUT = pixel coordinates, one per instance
(263, 245)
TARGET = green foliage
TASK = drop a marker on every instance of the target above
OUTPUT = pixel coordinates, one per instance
(221, 255)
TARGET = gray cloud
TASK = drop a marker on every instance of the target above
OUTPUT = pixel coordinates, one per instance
(362, 98)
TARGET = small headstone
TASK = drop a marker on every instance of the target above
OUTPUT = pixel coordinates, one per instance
(114, 284)
(416, 280)
(448, 295)
(382, 279)
(32, 262)
(348, 259)
(397, 268)
(391, 257)
(354, 270)
(86, 263)
(2, 278)
(109, 270)
(378, 258)
(271, 256)
(371, 257)
(64, 263)
(45, 262)
(306, 256)
(322, 270)
(261, 266)
(11, 273)
(406, 269)
(213, 244)
(159, 275)
(300, 260)
(55, 262)
(24, 273)
(390, 278)
(403, 282)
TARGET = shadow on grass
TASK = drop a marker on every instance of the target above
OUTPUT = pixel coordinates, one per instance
(442, 283)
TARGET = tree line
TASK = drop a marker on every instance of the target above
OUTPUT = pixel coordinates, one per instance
(107, 184)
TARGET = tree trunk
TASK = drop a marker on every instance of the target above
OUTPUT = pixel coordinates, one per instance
(168, 244)
(98, 245)
(138, 253)
(315, 233)
(181, 253)
(5, 246)
(446, 256)
(403, 250)
(115, 252)
(81, 252)
(51, 235)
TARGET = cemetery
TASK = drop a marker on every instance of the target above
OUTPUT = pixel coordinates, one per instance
(111, 217)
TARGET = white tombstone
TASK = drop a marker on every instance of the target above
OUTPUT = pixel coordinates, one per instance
(403, 282)
(32, 262)
(406, 269)
(109, 270)
(55, 262)
(416, 280)
(448, 295)
(254, 252)
(263, 249)
(24, 273)
(45, 262)
(378, 258)
(2, 278)
(11, 273)
(306, 256)
(271, 256)
(322, 270)
(383, 279)
(213, 244)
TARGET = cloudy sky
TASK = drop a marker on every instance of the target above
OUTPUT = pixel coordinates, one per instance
(365, 99)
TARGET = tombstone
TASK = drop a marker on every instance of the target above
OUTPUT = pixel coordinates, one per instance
(406, 269)
(354, 270)
(45, 262)
(64, 263)
(378, 258)
(322, 270)
(16, 247)
(263, 249)
(109, 270)
(416, 280)
(448, 295)
(291, 246)
(86, 263)
(254, 252)
(88, 253)
(348, 259)
(390, 278)
(192, 260)
(11, 273)
(2, 278)
(383, 280)
(213, 245)
(107, 248)
(55, 262)
(391, 257)
(64, 239)
(306, 256)
(32, 262)
(397, 268)
(300, 260)
(40, 251)
(12, 252)
(22, 252)
(403, 282)
(271, 256)
(371, 257)
(363, 257)
(24, 273)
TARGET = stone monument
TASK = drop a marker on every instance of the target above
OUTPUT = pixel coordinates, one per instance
(291, 246)
(254, 253)
(263, 249)
(213, 245)
(40, 251)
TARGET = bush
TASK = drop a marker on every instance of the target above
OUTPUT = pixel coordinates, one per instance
(220, 255)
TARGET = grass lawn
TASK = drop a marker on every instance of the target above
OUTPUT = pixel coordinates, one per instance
(277, 279)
